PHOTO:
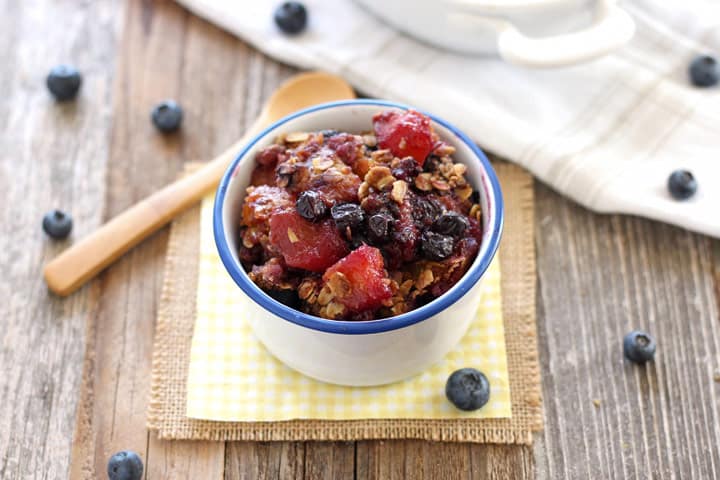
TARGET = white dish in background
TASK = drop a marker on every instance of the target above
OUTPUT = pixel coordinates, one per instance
(532, 33)
(371, 352)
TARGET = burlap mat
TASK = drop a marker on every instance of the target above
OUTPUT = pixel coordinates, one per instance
(176, 318)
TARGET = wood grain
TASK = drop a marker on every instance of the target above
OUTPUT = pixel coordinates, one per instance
(264, 460)
(96, 156)
(620, 274)
(150, 68)
(183, 460)
(52, 155)
(421, 459)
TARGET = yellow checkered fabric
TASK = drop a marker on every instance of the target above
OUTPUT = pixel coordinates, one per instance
(233, 378)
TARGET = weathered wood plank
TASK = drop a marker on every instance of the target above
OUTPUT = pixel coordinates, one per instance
(659, 421)
(430, 460)
(52, 155)
(112, 416)
(381, 459)
(501, 462)
(163, 55)
(185, 460)
(619, 274)
(329, 460)
(264, 460)
(411, 459)
(221, 94)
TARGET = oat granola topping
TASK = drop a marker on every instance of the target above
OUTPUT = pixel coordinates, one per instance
(424, 182)
(379, 177)
(399, 189)
(296, 137)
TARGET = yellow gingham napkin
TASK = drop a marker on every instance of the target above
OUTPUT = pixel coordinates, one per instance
(233, 378)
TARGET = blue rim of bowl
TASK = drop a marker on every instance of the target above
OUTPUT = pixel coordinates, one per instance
(471, 277)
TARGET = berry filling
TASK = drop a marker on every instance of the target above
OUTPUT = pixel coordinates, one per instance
(359, 226)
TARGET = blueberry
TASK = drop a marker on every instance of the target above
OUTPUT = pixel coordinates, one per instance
(432, 164)
(467, 389)
(639, 347)
(475, 196)
(347, 215)
(64, 82)
(407, 169)
(424, 299)
(125, 465)
(358, 240)
(436, 246)
(451, 223)
(286, 297)
(291, 17)
(425, 211)
(682, 184)
(57, 224)
(285, 172)
(704, 71)
(329, 133)
(310, 206)
(167, 116)
(379, 227)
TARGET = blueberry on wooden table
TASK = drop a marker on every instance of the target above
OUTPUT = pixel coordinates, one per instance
(310, 206)
(57, 224)
(639, 347)
(167, 116)
(682, 184)
(125, 465)
(64, 82)
(468, 389)
(291, 17)
(704, 71)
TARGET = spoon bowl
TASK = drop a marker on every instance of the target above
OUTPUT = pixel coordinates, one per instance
(303, 91)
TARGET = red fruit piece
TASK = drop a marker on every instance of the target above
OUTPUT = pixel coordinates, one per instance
(270, 156)
(366, 285)
(346, 146)
(310, 246)
(261, 202)
(406, 134)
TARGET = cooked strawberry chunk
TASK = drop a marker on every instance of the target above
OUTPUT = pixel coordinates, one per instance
(346, 146)
(311, 246)
(406, 134)
(365, 283)
(261, 202)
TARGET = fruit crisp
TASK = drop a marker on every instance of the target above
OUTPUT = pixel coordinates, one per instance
(359, 226)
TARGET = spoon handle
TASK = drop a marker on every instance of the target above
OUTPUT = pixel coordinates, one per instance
(88, 257)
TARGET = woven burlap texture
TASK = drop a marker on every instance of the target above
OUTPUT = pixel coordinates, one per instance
(176, 318)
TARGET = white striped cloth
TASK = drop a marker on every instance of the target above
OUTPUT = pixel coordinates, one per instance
(606, 133)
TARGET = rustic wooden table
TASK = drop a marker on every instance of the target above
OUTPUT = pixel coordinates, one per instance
(599, 277)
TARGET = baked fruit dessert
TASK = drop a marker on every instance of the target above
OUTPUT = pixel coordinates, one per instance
(359, 226)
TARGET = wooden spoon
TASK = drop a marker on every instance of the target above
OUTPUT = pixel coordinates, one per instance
(85, 259)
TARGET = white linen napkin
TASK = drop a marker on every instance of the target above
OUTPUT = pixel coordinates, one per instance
(607, 133)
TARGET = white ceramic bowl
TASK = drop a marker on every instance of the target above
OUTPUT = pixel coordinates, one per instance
(358, 353)
(532, 33)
